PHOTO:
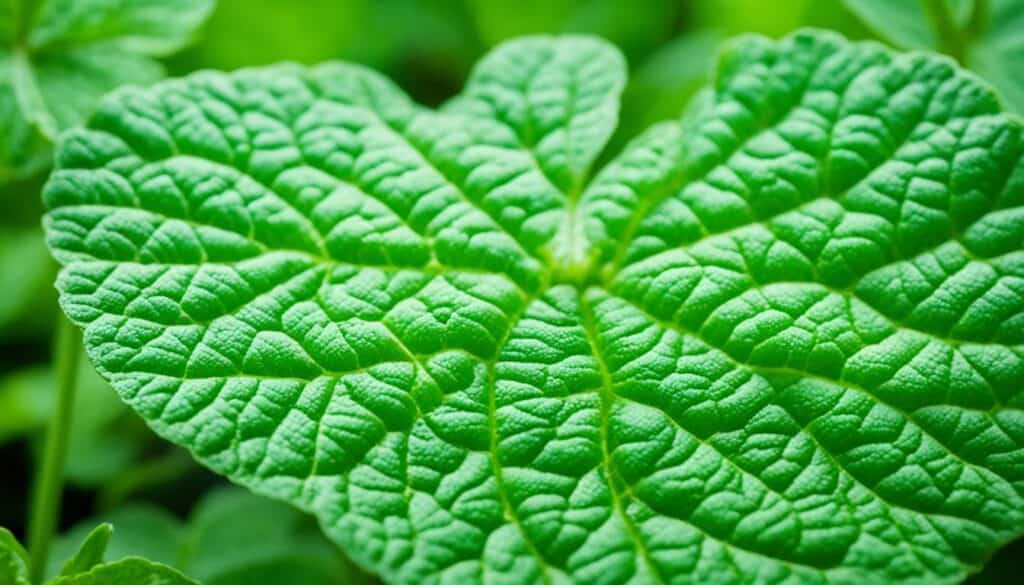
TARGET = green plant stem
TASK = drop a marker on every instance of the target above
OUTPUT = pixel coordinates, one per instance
(24, 12)
(50, 478)
(951, 39)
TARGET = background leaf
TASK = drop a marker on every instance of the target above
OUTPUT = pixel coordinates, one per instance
(90, 553)
(437, 368)
(232, 538)
(69, 54)
(147, 27)
(13, 560)
(131, 570)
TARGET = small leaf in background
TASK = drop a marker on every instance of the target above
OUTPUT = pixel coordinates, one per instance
(56, 63)
(86, 566)
(13, 560)
(232, 538)
(24, 150)
(140, 531)
(90, 553)
(133, 571)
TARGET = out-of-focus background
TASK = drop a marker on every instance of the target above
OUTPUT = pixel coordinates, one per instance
(164, 505)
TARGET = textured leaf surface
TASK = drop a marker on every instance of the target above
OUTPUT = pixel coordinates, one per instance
(777, 341)
(987, 36)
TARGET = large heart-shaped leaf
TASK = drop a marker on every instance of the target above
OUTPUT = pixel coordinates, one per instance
(778, 341)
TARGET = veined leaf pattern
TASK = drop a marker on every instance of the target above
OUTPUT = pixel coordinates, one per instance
(780, 340)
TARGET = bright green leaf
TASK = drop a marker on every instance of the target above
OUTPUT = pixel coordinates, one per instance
(135, 571)
(13, 560)
(90, 553)
(993, 46)
(778, 341)
(140, 531)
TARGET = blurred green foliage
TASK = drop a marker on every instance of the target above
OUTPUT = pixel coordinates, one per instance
(228, 538)
(427, 46)
(85, 564)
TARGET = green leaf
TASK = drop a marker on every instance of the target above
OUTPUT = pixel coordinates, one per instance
(780, 340)
(23, 149)
(132, 570)
(147, 27)
(237, 538)
(74, 52)
(13, 560)
(987, 36)
(140, 531)
(90, 553)
(232, 538)
(555, 100)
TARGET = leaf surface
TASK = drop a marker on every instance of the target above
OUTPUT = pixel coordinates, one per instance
(988, 37)
(90, 553)
(131, 570)
(776, 341)
(13, 560)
